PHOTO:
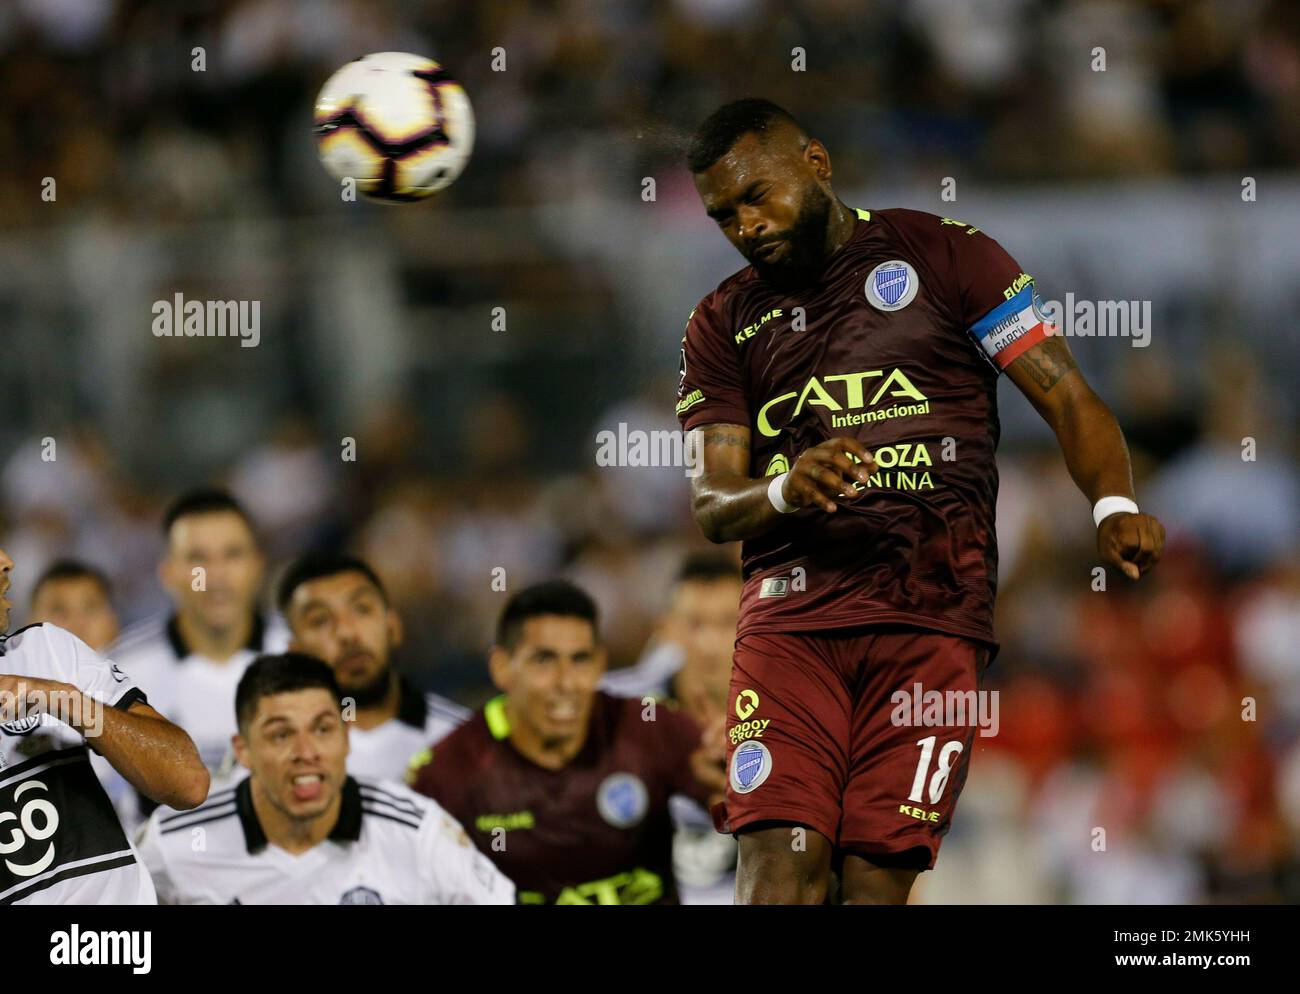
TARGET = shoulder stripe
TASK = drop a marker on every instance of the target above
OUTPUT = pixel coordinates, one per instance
(219, 816)
(374, 813)
(392, 800)
(214, 800)
(199, 816)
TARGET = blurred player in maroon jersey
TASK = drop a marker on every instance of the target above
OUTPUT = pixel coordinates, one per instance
(564, 787)
(845, 388)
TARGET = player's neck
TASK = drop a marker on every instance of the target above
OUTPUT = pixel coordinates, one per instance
(839, 228)
(295, 835)
(548, 754)
(373, 715)
(217, 644)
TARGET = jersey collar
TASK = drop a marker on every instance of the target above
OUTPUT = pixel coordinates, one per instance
(412, 708)
(256, 635)
(346, 829)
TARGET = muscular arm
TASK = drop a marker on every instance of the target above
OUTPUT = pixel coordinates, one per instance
(727, 503)
(1094, 450)
(1090, 438)
(156, 757)
(730, 506)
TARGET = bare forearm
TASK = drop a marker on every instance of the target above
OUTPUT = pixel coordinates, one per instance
(156, 757)
(729, 507)
(1094, 448)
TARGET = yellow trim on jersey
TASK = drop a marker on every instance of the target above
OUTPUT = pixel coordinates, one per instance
(494, 712)
(865, 215)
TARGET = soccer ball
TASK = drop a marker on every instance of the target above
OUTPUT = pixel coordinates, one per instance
(396, 124)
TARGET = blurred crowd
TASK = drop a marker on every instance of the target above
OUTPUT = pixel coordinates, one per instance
(599, 93)
(1167, 713)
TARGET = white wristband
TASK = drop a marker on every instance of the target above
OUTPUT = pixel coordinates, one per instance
(1107, 506)
(774, 495)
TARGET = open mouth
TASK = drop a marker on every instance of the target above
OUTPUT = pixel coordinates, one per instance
(562, 711)
(308, 786)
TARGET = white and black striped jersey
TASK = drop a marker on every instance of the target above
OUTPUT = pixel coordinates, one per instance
(190, 689)
(386, 751)
(63, 843)
(389, 846)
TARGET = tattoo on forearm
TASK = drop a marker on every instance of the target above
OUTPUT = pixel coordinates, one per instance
(1047, 363)
(712, 437)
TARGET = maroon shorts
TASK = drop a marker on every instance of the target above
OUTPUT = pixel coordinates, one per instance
(829, 730)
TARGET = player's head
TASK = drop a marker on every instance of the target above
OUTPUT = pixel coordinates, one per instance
(208, 530)
(6, 567)
(547, 659)
(704, 609)
(79, 598)
(338, 611)
(767, 185)
(292, 737)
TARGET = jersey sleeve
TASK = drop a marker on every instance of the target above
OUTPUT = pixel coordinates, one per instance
(710, 387)
(996, 300)
(92, 674)
(453, 871)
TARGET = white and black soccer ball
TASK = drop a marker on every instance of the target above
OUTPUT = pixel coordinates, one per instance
(397, 124)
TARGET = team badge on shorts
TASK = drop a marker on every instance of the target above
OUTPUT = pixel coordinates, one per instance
(750, 765)
(892, 286)
(622, 799)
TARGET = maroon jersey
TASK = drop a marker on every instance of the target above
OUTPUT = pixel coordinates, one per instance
(596, 831)
(899, 344)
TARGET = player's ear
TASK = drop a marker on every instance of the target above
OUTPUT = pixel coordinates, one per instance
(818, 158)
(499, 668)
(395, 631)
(166, 573)
(241, 750)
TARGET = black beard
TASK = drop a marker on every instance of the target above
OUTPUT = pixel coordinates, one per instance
(807, 240)
(372, 694)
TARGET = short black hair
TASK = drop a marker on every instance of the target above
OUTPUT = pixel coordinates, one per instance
(725, 126)
(280, 674)
(318, 563)
(73, 569)
(708, 567)
(554, 597)
(205, 500)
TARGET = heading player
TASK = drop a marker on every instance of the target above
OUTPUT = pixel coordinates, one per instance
(564, 787)
(298, 829)
(58, 700)
(845, 388)
(338, 611)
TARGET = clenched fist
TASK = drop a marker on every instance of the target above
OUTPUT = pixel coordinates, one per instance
(1132, 543)
(826, 473)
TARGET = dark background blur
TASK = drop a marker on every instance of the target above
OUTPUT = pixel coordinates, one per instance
(476, 449)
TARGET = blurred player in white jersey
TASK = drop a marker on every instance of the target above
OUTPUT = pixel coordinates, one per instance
(338, 611)
(58, 701)
(190, 663)
(79, 598)
(298, 829)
